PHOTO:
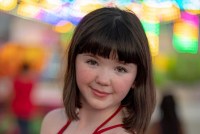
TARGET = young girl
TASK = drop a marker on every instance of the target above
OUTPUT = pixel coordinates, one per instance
(108, 83)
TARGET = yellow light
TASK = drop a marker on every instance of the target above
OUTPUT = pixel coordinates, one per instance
(90, 7)
(149, 13)
(153, 43)
(161, 62)
(50, 4)
(8, 5)
(28, 10)
(151, 27)
(63, 27)
(193, 11)
(169, 14)
(30, 1)
(186, 29)
(163, 13)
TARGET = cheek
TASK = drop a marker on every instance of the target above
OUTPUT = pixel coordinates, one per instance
(124, 84)
(83, 75)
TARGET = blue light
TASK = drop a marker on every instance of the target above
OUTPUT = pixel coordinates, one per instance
(123, 2)
(51, 18)
(188, 4)
(68, 1)
(74, 20)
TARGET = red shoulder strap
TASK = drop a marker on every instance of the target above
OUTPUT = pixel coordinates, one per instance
(98, 131)
(64, 127)
(108, 128)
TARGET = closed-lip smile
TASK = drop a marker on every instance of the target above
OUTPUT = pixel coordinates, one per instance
(99, 93)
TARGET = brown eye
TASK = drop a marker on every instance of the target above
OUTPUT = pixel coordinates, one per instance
(92, 62)
(121, 69)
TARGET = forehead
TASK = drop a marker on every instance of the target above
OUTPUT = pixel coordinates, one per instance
(113, 55)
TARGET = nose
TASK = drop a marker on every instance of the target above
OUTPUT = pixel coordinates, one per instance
(103, 78)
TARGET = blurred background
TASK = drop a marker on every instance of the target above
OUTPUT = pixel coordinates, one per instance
(37, 33)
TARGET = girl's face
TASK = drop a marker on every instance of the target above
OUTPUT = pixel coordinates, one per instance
(103, 83)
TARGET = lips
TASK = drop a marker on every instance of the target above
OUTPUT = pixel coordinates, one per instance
(100, 94)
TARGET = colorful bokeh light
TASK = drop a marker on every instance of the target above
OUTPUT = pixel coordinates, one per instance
(186, 31)
(152, 29)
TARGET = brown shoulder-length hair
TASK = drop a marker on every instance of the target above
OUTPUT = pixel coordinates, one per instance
(101, 32)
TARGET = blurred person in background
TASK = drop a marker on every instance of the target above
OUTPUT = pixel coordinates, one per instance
(22, 106)
(169, 122)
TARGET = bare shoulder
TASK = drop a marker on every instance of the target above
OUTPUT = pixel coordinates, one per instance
(53, 121)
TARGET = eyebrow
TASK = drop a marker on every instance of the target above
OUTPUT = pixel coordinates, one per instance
(122, 62)
(97, 57)
(90, 54)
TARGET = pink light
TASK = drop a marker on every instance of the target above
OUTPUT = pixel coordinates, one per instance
(191, 18)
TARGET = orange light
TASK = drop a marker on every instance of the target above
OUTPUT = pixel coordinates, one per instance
(63, 27)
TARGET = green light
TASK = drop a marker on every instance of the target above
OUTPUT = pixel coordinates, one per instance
(151, 27)
(185, 44)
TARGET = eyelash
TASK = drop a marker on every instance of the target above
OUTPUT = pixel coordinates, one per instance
(121, 69)
(91, 62)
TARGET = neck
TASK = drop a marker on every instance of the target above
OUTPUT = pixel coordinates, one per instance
(94, 117)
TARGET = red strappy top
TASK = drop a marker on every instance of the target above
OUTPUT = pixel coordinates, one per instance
(98, 130)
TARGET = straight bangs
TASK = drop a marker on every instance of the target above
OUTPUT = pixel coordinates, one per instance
(113, 41)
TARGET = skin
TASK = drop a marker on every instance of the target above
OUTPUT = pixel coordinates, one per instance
(103, 84)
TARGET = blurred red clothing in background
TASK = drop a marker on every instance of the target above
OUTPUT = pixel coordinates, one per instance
(22, 105)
